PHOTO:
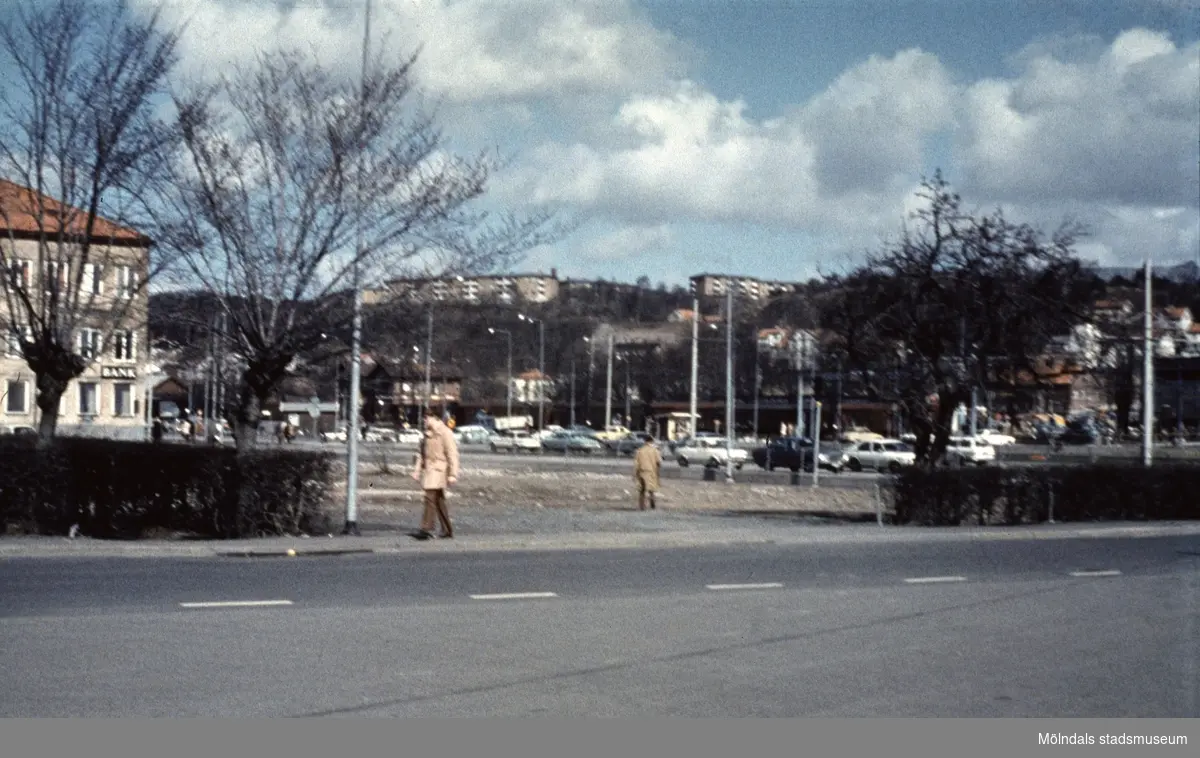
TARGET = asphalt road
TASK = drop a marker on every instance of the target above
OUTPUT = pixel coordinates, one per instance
(1082, 627)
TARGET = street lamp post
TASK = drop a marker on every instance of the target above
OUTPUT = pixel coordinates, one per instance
(608, 388)
(757, 380)
(541, 365)
(729, 415)
(508, 402)
(351, 527)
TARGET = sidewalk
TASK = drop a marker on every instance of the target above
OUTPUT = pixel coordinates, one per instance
(647, 530)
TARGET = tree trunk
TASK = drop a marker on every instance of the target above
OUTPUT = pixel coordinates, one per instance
(53, 367)
(258, 380)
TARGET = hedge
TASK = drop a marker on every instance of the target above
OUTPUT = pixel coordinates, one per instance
(125, 490)
(1098, 492)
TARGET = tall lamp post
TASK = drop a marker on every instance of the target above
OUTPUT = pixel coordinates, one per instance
(351, 527)
(541, 365)
(508, 336)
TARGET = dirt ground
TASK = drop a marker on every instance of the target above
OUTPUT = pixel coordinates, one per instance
(499, 488)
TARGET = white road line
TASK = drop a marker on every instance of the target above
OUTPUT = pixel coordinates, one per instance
(236, 604)
(759, 586)
(934, 579)
(1105, 572)
(513, 596)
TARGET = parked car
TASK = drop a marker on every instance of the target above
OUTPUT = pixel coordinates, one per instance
(795, 453)
(379, 434)
(409, 436)
(996, 439)
(473, 435)
(709, 452)
(969, 451)
(515, 441)
(629, 444)
(17, 431)
(336, 435)
(688, 438)
(879, 455)
(563, 441)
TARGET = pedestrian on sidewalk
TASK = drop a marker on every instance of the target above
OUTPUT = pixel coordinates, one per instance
(436, 469)
(646, 463)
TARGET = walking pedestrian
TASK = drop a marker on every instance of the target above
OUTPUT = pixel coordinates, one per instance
(646, 463)
(436, 469)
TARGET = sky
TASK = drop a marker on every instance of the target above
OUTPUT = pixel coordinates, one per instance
(783, 139)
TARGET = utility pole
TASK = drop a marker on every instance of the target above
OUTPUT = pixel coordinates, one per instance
(801, 360)
(608, 390)
(1148, 374)
(695, 365)
(542, 371)
(572, 393)
(429, 358)
(628, 409)
(757, 380)
(351, 527)
(587, 408)
(729, 416)
(816, 444)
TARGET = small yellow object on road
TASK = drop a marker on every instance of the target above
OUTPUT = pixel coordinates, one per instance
(291, 552)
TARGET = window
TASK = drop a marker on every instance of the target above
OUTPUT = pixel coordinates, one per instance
(125, 345)
(126, 281)
(57, 276)
(17, 397)
(90, 342)
(88, 399)
(18, 274)
(93, 280)
(123, 399)
(13, 349)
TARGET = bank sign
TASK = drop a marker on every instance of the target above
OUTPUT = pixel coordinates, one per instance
(118, 372)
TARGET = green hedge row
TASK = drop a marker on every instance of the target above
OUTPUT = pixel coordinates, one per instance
(126, 490)
(1098, 492)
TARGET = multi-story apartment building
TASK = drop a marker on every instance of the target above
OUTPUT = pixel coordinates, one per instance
(714, 285)
(494, 288)
(112, 334)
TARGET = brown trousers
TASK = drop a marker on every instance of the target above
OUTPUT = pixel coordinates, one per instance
(643, 491)
(435, 510)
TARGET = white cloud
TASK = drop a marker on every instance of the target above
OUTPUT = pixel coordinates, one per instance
(473, 50)
(689, 154)
(1117, 128)
(628, 242)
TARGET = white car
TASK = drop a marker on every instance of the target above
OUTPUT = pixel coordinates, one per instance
(709, 452)
(408, 437)
(996, 439)
(516, 441)
(472, 435)
(965, 450)
(879, 455)
(380, 434)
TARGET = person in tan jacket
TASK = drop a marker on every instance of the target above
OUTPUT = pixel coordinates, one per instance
(436, 469)
(646, 463)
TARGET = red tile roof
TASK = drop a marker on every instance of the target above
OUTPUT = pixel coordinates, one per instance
(22, 215)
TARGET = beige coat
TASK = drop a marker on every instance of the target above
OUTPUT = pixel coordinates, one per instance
(437, 458)
(646, 463)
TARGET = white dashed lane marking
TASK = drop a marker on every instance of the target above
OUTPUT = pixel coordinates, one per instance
(514, 596)
(1104, 572)
(756, 586)
(934, 579)
(237, 604)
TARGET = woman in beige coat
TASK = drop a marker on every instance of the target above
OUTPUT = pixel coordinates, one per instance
(646, 463)
(436, 469)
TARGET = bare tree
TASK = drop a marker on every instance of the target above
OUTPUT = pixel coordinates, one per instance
(960, 301)
(81, 142)
(272, 208)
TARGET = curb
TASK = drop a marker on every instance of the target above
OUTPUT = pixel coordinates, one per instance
(293, 553)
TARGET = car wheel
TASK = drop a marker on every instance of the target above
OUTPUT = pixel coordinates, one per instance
(855, 465)
(683, 461)
(894, 467)
(738, 466)
(494, 448)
